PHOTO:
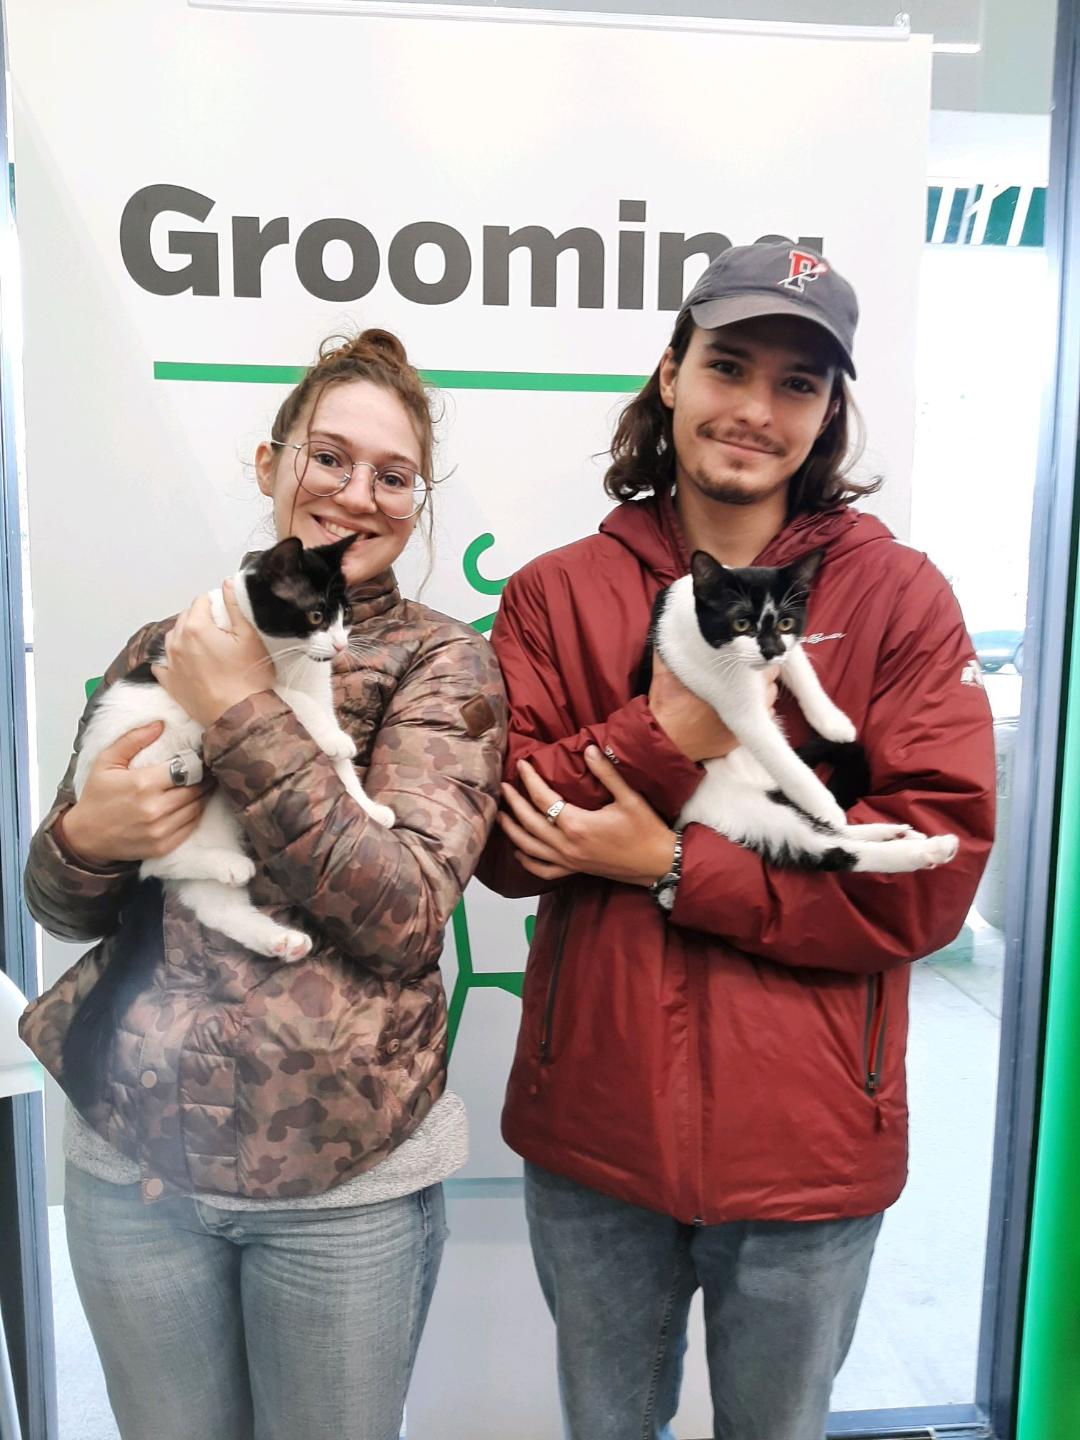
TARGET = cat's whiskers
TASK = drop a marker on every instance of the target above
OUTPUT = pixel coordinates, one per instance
(285, 650)
(256, 663)
(361, 649)
(286, 653)
(297, 668)
(721, 666)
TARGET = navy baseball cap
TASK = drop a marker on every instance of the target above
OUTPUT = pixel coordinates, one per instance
(776, 278)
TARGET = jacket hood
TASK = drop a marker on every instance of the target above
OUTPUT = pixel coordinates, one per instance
(650, 530)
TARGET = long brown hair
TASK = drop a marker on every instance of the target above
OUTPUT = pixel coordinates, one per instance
(643, 453)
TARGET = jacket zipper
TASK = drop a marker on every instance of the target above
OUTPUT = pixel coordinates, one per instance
(556, 966)
(696, 990)
(874, 1035)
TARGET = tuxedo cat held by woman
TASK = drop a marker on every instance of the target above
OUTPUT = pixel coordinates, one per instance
(296, 599)
(719, 631)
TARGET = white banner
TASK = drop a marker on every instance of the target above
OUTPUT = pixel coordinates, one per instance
(206, 193)
(193, 186)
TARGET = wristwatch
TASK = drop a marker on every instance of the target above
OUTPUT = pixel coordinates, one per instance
(663, 890)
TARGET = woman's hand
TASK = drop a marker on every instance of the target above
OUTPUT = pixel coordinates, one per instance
(692, 724)
(126, 814)
(208, 669)
(625, 841)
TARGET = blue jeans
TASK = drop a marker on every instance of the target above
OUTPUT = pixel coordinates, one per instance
(781, 1301)
(253, 1325)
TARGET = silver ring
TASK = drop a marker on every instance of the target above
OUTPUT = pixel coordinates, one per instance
(178, 772)
(554, 811)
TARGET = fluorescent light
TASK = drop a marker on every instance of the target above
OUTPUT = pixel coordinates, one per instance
(945, 47)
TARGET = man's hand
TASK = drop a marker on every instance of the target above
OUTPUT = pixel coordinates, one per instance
(692, 724)
(625, 841)
(126, 814)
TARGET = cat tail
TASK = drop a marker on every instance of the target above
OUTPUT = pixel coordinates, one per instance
(850, 777)
(137, 948)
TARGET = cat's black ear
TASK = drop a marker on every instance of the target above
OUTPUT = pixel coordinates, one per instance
(802, 571)
(334, 551)
(282, 558)
(705, 571)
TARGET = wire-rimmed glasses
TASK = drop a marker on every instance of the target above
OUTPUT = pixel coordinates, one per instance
(324, 469)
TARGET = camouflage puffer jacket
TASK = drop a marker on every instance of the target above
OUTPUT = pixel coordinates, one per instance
(238, 1075)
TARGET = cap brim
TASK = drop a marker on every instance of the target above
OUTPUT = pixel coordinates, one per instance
(712, 314)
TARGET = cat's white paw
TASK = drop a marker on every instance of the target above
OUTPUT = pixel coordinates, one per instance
(291, 945)
(939, 850)
(382, 815)
(339, 747)
(237, 870)
(835, 818)
(834, 725)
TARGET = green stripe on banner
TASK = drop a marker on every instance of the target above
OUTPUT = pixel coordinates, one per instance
(228, 374)
(533, 380)
(445, 379)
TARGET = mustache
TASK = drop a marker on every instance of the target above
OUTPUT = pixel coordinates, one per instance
(744, 437)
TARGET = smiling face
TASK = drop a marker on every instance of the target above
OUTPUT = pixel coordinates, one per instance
(369, 423)
(748, 402)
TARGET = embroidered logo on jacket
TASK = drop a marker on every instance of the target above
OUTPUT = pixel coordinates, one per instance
(819, 638)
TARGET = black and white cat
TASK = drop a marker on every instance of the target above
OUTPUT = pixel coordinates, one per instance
(719, 630)
(296, 600)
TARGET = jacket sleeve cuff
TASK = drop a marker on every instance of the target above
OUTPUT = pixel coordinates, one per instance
(648, 760)
(62, 855)
(722, 899)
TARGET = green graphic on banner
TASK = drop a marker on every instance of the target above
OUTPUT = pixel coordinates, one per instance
(510, 981)
(468, 979)
(479, 582)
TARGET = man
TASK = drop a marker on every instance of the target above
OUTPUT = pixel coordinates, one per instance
(709, 1083)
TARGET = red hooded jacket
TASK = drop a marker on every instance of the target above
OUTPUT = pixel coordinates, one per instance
(744, 1057)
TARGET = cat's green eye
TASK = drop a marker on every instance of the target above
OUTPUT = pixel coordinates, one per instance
(314, 617)
(740, 626)
(786, 625)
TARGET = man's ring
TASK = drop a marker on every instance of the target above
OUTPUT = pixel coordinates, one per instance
(178, 772)
(554, 811)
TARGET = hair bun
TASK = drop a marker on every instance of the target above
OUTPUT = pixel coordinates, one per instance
(365, 346)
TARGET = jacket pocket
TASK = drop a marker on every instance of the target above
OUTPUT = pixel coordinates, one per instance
(547, 1025)
(877, 1014)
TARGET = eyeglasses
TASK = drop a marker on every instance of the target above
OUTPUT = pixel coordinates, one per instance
(323, 469)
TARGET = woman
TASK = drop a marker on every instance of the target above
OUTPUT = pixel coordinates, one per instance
(253, 1202)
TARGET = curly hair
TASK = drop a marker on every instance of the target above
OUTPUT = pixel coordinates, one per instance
(643, 453)
(374, 355)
